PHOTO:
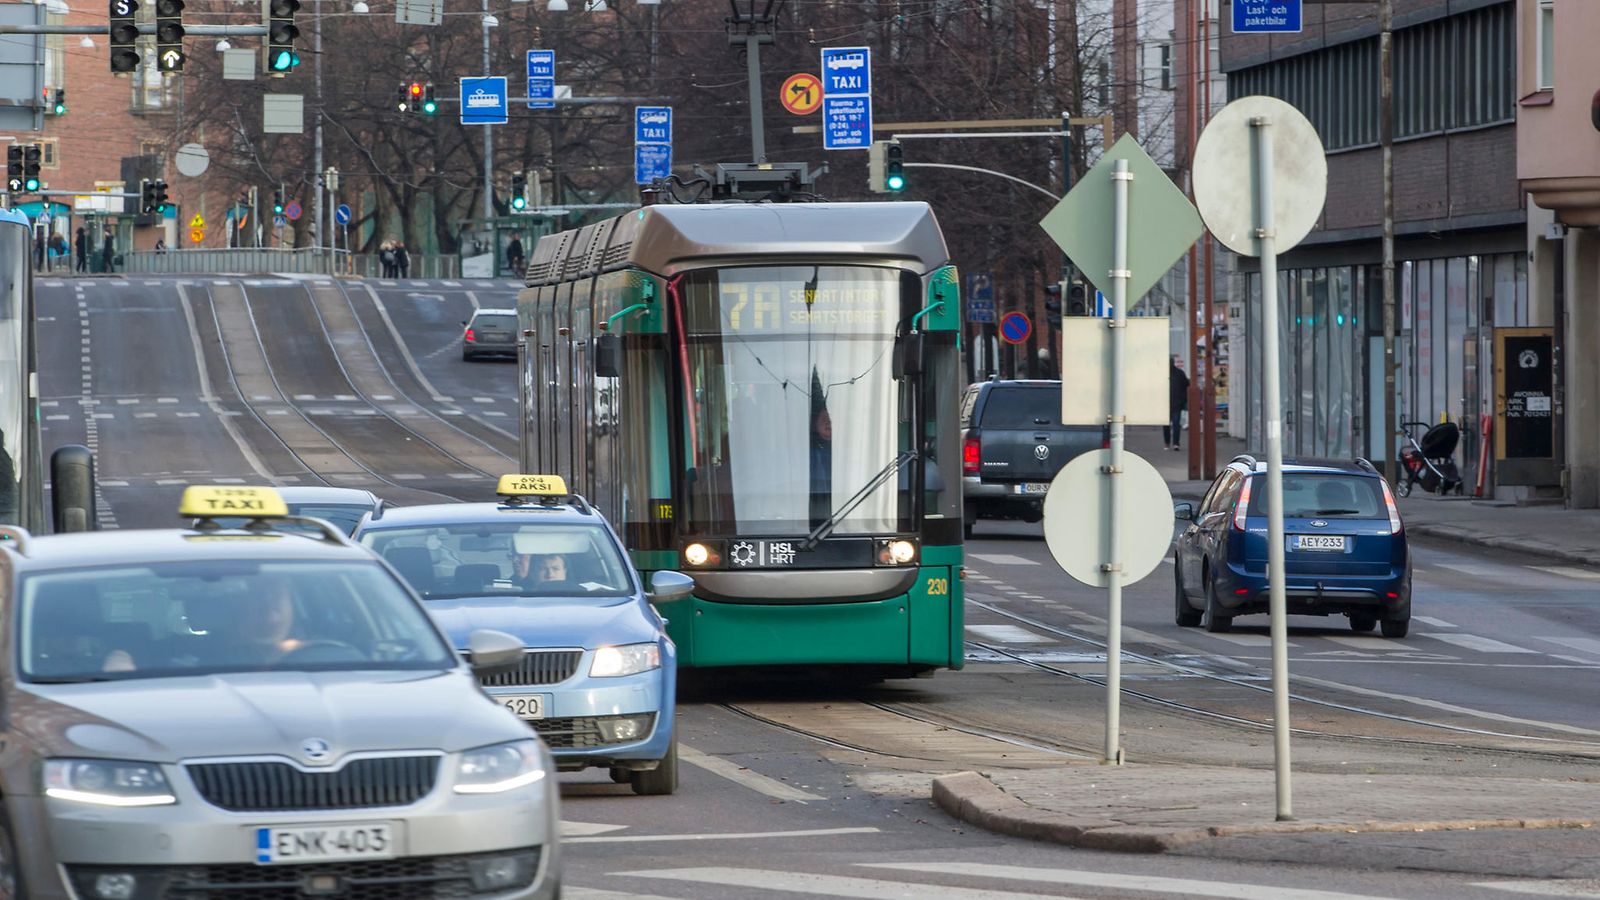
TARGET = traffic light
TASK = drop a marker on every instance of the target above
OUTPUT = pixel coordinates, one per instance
(429, 104)
(414, 97)
(894, 172)
(123, 32)
(160, 190)
(519, 191)
(147, 196)
(281, 32)
(59, 107)
(875, 164)
(1077, 300)
(277, 201)
(405, 97)
(14, 169)
(32, 156)
(169, 35)
(1052, 302)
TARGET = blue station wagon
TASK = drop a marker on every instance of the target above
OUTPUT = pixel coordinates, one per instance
(1345, 547)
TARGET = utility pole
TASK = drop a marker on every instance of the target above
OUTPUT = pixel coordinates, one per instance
(316, 155)
(1391, 418)
(488, 134)
(753, 29)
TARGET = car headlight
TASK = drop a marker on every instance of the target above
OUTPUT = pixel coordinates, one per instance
(502, 767)
(630, 659)
(107, 782)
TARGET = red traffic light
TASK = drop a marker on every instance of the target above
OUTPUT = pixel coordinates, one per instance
(416, 89)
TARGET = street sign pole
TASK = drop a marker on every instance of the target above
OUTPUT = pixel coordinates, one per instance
(1121, 179)
(1266, 249)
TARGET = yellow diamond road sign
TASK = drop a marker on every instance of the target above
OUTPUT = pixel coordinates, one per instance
(197, 222)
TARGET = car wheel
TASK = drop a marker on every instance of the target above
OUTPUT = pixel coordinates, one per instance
(1362, 622)
(465, 356)
(1396, 628)
(1183, 612)
(1216, 621)
(10, 864)
(663, 779)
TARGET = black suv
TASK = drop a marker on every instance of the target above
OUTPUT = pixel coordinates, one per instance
(1013, 443)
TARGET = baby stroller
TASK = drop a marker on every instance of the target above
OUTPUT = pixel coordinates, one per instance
(1431, 461)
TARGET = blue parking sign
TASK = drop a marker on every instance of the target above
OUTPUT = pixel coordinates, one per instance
(651, 161)
(1266, 16)
(846, 98)
(483, 101)
(652, 143)
(541, 93)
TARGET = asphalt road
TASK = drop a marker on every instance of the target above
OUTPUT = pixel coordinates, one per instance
(820, 788)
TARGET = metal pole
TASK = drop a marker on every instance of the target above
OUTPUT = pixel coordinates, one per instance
(316, 160)
(1208, 388)
(1192, 310)
(488, 134)
(758, 139)
(1391, 418)
(1267, 250)
(1120, 180)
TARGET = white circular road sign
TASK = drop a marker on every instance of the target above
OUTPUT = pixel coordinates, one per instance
(1224, 171)
(192, 160)
(1076, 512)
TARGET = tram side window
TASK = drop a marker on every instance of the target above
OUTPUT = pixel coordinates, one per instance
(941, 430)
(645, 431)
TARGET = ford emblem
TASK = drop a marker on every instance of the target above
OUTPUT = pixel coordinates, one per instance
(315, 749)
(1318, 523)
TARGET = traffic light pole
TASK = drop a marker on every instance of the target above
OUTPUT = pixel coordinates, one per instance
(488, 142)
(316, 154)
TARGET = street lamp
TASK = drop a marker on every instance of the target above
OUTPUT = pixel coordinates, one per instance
(223, 46)
(360, 8)
(86, 42)
(557, 6)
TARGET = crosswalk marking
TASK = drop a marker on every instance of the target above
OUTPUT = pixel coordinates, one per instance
(772, 880)
(1570, 572)
(583, 829)
(1076, 877)
(1430, 620)
(1363, 642)
(738, 774)
(1007, 634)
(1478, 643)
(716, 836)
(1582, 645)
(1249, 640)
(1003, 559)
(1554, 887)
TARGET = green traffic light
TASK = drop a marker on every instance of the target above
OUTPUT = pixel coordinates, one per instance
(61, 109)
(282, 61)
(518, 202)
(430, 107)
(32, 184)
(896, 182)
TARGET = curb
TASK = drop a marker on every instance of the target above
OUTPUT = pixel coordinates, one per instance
(973, 798)
(1511, 544)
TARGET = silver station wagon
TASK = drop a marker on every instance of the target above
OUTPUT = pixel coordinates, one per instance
(253, 711)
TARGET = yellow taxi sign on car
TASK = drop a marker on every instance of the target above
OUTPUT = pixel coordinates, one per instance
(532, 486)
(205, 501)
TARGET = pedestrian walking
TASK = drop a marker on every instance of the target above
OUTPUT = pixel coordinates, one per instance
(1177, 401)
(386, 258)
(514, 256)
(108, 249)
(58, 250)
(38, 249)
(402, 259)
(81, 244)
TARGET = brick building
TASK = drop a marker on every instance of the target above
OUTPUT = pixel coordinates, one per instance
(1461, 245)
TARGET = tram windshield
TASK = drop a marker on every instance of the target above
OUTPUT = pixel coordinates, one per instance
(792, 406)
(14, 366)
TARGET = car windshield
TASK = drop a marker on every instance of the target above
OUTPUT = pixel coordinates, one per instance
(1308, 495)
(1022, 407)
(496, 320)
(505, 560)
(192, 618)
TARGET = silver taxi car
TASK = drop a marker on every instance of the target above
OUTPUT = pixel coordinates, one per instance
(254, 711)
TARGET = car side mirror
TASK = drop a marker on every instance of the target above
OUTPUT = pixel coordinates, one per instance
(1183, 511)
(608, 356)
(908, 353)
(666, 586)
(492, 651)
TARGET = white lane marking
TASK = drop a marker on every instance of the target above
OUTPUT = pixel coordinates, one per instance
(1364, 642)
(1430, 620)
(405, 351)
(451, 283)
(1569, 572)
(1582, 645)
(1003, 559)
(146, 415)
(187, 415)
(1555, 887)
(56, 418)
(578, 829)
(1479, 643)
(1154, 883)
(493, 412)
(166, 399)
(731, 836)
(305, 396)
(771, 880)
(1249, 640)
(1448, 707)
(1474, 569)
(113, 483)
(228, 480)
(740, 775)
(469, 476)
(482, 399)
(473, 299)
(127, 401)
(408, 476)
(169, 481)
(1007, 634)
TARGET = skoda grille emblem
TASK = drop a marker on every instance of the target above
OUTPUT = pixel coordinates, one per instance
(1318, 523)
(315, 749)
(1041, 451)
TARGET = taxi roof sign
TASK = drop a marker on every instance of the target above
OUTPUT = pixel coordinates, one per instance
(532, 485)
(206, 501)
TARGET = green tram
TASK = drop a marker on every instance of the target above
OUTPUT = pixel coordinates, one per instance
(764, 396)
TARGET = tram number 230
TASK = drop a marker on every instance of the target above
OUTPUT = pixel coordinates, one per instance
(938, 587)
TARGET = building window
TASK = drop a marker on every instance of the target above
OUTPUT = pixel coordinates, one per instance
(1104, 90)
(50, 153)
(152, 148)
(1165, 51)
(1547, 44)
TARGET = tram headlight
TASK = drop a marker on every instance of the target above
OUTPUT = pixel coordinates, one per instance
(897, 552)
(702, 555)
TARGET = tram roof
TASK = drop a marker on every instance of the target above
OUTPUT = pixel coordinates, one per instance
(14, 216)
(669, 237)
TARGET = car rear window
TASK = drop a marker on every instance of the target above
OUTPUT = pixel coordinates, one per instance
(1325, 496)
(1022, 408)
(495, 321)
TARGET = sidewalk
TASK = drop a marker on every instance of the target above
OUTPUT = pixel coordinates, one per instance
(1553, 532)
(1152, 809)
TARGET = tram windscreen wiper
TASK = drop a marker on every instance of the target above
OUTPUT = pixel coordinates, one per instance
(832, 522)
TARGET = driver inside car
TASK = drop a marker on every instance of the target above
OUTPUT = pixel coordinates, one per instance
(256, 628)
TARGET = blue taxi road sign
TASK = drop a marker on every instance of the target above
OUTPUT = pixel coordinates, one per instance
(483, 101)
(1015, 327)
(541, 79)
(652, 143)
(1262, 16)
(846, 98)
